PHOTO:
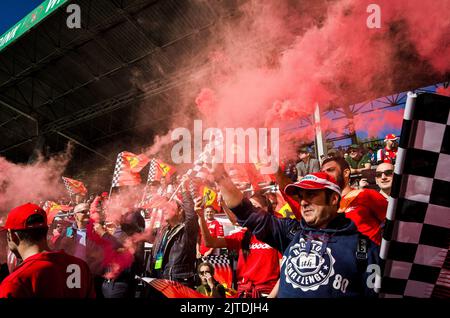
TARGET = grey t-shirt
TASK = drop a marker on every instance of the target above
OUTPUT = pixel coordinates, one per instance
(306, 168)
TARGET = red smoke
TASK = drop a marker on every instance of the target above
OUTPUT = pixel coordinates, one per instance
(325, 54)
(373, 123)
(39, 181)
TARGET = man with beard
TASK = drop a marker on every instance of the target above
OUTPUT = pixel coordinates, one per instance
(365, 207)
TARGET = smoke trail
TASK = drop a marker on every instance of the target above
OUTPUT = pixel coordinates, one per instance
(39, 181)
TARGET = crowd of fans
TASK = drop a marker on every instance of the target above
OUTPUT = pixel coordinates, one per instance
(338, 204)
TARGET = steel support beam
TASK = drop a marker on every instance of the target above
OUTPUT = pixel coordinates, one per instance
(41, 133)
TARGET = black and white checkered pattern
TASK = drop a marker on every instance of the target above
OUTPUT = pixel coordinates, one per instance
(152, 171)
(415, 246)
(200, 172)
(117, 171)
(68, 186)
(218, 260)
(193, 188)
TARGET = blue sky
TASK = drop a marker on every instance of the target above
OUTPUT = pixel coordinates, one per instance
(12, 11)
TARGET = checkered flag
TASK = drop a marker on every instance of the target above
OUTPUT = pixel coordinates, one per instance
(199, 170)
(123, 176)
(118, 168)
(415, 244)
(74, 186)
(223, 271)
(68, 187)
(193, 188)
(153, 171)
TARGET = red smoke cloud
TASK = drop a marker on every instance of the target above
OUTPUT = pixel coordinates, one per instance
(39, 181)
(374, 122)
(325, 54)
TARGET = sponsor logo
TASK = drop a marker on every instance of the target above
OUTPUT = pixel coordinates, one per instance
(260, 246)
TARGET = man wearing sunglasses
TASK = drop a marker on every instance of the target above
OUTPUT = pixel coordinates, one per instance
(321, 252)
(384, 175)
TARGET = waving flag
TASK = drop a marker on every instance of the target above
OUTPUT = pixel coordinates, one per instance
(123, 174)
(153, 201)
(74, 186)
(133, 162)
(158, 170)
(154, 173)
(223, 272)
(52, 208)
(166, 170)
(285, 212)
(210, 197)
(172, 289)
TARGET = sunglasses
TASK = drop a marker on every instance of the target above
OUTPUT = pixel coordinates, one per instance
(205, 272)
(387, 173)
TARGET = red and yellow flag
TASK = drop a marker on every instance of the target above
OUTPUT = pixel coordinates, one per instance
(285, 212)
(52, 208)
(172, 289)
(210, 197)
(74, 186)
(166, 170)
(135, 163)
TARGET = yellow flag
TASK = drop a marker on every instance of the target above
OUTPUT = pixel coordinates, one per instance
(286, 212)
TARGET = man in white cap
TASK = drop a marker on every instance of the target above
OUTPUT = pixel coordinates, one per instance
(388, 154)
(323, 254)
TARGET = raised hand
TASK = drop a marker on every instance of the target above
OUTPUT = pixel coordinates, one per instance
(199, 207)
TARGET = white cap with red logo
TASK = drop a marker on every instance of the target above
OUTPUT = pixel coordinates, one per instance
(314, 181)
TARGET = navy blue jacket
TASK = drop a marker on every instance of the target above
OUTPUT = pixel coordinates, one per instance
(316, 262)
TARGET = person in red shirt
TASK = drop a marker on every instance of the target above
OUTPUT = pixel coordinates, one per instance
(43, 273)
(258, 267)
(215, 229)
(389, 153)
(365, 207)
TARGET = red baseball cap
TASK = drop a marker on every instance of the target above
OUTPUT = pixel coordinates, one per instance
(314, 181)
(390, 137)
(17, 217)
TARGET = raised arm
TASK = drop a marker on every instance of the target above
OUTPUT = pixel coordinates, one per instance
(266, 227)
(188, 206)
